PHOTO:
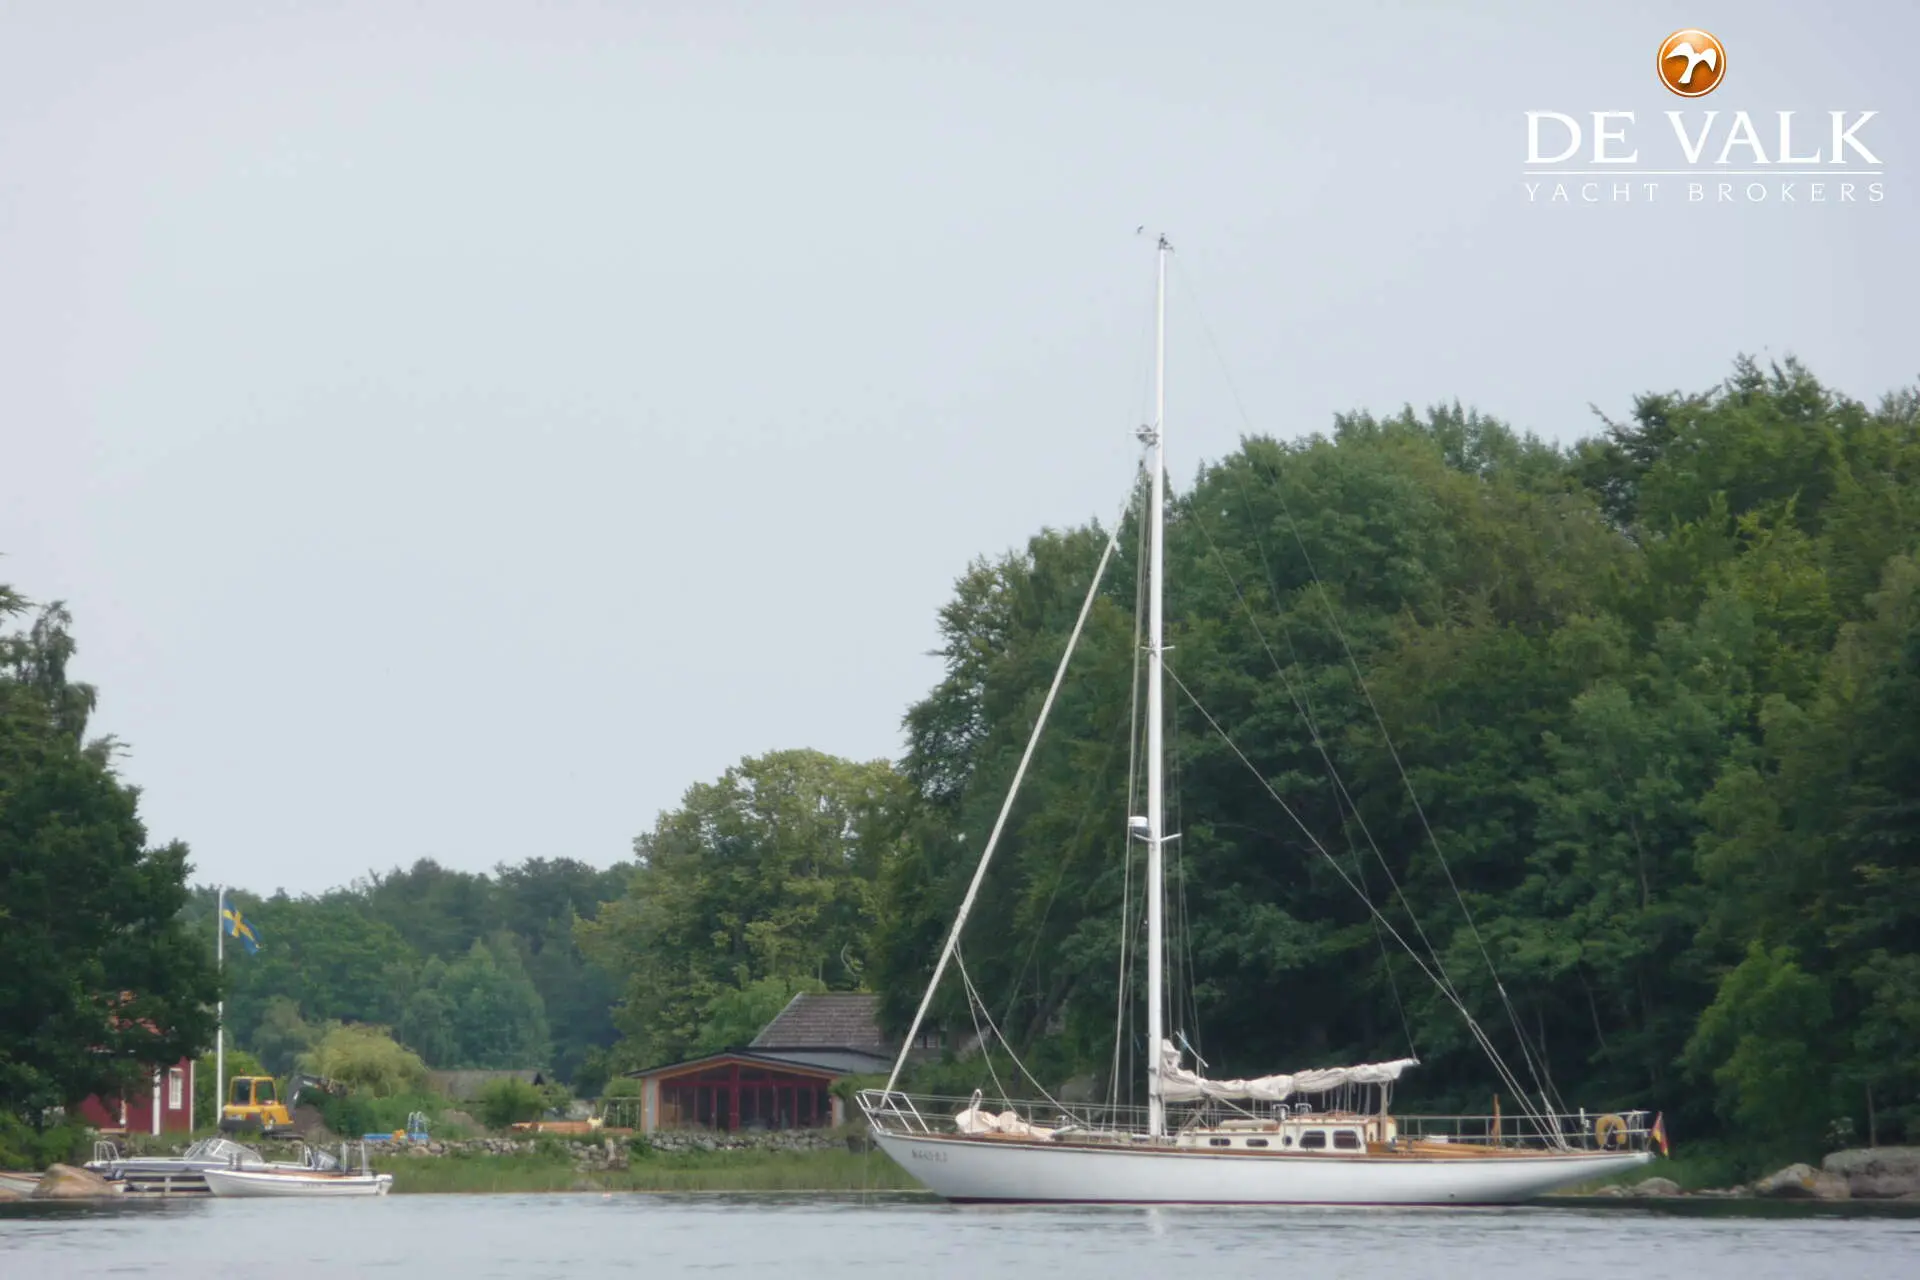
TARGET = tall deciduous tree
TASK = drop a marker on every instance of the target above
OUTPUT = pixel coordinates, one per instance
(769, 872)
(98, 978)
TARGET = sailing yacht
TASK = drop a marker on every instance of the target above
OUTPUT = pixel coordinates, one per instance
(1322, 1136)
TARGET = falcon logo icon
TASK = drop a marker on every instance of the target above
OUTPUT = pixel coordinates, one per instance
(1691, 63)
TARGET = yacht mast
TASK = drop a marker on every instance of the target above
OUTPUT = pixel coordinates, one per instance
(1156, 809)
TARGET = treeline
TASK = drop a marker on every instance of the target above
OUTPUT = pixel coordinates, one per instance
(466, 969)
(1634, 725)
(1657, 702)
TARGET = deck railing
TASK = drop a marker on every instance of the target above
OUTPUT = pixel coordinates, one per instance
(902, 1113)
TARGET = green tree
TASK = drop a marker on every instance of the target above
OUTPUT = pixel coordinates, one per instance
(98, 979)
(768, 873)
(510, 1102)
(1758, 1042)
(736, 1016)
(494, 1014)
(365, 1058)
(1654, 703)
(282, 1035)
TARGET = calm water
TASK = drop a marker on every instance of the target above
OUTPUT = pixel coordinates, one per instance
(579, 1237)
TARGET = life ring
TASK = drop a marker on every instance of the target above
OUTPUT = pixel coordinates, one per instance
(1610, 1131)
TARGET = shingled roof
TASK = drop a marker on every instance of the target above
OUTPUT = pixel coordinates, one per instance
(831, 1021)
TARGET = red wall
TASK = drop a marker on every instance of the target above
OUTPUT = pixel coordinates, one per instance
(176, 1105)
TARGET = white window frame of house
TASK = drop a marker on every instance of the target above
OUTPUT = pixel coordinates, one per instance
(176, 1088)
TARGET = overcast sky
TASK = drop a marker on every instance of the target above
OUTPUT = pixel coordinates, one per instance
(458, 428)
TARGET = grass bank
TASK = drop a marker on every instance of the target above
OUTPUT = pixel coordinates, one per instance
(747, 1170)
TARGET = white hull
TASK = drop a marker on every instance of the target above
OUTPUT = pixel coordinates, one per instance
(251, 1182)
(964, 1169)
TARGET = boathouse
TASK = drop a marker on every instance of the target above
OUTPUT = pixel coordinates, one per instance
(783, 1078)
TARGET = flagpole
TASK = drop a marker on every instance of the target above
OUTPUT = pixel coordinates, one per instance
(220, 1009)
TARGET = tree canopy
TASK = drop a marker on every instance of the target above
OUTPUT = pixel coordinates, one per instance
(1622, 739)
(98, 979)
(467, 969)
(1655, 701)
(762, 884)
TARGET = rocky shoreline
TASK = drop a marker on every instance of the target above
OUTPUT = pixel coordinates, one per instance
(1861, 1173)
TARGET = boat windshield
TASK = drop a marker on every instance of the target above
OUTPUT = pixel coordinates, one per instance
(222, 1150)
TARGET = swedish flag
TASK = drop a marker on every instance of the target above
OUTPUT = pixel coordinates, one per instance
(237, 927)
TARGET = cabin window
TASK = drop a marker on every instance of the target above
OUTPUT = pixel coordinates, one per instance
(1314, 1140)
(176, 1088)
(242, 1093)
(1219, 1142)
(264, 1093)
(1256, 1142)
(927, 1040)
(1346, 1139)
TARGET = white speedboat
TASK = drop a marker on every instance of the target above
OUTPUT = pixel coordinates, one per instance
(243, 1183)
(1323, 1136)
(184, 1174)
(323, 1175)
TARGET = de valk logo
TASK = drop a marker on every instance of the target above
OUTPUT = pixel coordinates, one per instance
(1692, 62)
(1639, 153)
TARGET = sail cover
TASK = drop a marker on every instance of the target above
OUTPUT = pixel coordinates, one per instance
(1177, 1084)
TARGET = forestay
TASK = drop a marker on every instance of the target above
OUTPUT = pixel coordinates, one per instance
(1181, 1085)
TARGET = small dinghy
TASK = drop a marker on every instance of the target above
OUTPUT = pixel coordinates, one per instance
(295, 1182)
(324, 1177)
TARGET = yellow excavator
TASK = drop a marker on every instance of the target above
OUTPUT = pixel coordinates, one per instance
(254, 1104)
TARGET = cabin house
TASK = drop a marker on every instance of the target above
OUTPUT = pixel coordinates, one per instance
(783, 1078)
(166, 1107)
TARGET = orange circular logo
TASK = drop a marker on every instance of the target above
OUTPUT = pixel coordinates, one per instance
(1692, 63)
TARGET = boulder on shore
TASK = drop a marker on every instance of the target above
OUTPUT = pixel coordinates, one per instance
(1654, 1187)
(64, 1182)
(1802, 1182)
(1877, 1173)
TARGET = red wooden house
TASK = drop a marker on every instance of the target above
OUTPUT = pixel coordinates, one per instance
(165, 1107)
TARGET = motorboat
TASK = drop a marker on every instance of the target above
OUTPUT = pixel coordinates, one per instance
(184, 1174)
(241, 1181)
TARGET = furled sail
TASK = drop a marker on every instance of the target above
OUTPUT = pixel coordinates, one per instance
(1177, 1084)
(974, 1120)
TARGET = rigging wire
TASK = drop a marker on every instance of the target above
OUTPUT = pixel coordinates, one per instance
(1473, 1025)
(952, 943)
(1061, 864)
(979, 1036)
(1460, 898)
(1303, 703)
(974, 1000)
